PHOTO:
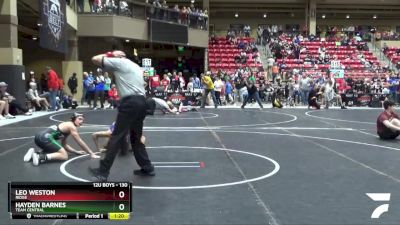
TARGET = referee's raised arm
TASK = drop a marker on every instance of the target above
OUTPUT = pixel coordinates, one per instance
(98, 60)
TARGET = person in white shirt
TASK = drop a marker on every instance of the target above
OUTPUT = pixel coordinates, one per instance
(218, 85)
(331, 95)
(33, 95)
(190, 85)
(271, 62)
(182, 82)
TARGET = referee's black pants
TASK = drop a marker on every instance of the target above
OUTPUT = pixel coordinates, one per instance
(131, 114)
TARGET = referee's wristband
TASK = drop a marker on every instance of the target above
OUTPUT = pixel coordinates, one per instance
(110, 54)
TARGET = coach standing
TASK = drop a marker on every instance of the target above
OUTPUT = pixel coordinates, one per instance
(131, 113)
(54, 86)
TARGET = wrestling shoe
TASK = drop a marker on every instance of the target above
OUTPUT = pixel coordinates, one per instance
(29, 154)
(35, 159)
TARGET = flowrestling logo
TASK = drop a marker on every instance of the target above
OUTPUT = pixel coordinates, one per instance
(55, 17)
(379, 197)
(53, 31)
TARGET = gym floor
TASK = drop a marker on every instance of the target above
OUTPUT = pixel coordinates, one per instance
(233, 166)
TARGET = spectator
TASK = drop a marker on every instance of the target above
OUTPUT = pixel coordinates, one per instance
(85, 77)
(331, 95)
(393, 86)
(31, 79)
(247, 30)
(54, 86)
(69, 102)
(182, 82)
(240, 88)
(275, 72)
(99, 91)
(259, 35)
(165, 82)
(43, 83)
(218, 85)
(190, 85)
(304, 88)
(33, 96)
(91, 5)
(14, 105)
(154, 82)
(80, 4)
(73, 84)
(196, 82)
(208, 88)
(113, 97)
(4, 110)
(174, 81)
(90, 87)
(184, 15)
(228, 91)
(252, 94)
(107, 85)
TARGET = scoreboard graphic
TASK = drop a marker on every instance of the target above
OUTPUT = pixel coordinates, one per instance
(31, 200)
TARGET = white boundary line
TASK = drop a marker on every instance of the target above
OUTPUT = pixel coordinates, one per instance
(214, 115)
(294, 118)
(306, 128)
(175, 163)
(177, 129)
(17, 138)
(62, 168)
(327, 118)
(177, 166)
(274, 171)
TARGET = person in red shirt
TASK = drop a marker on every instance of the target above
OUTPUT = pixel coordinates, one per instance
(154, 82)
(113, 96)
(388, 123)
(165, 82)
(54, 86)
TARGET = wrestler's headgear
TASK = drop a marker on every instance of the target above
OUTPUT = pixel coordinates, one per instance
(76, 115)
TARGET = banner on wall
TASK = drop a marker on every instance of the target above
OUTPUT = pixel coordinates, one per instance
(53, 33)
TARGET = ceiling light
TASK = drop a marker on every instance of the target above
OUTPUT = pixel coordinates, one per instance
(375, 16)
(192, 1)
(347, 16)
(34, 38)
(127, 40)
(265, 15)
(323, 16)
(236, 15)
(39, 24)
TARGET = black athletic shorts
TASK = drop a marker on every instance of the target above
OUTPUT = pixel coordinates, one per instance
(46, 142)
(389, 134)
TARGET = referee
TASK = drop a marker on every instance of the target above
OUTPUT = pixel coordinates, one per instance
(131, 113)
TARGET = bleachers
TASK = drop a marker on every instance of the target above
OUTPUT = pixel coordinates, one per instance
(222, 55)
(392, 55)
(353, 66)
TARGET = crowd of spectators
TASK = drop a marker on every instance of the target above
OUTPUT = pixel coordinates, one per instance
(387, 35)
(190, 15)
(373, 78)
(156, 9)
